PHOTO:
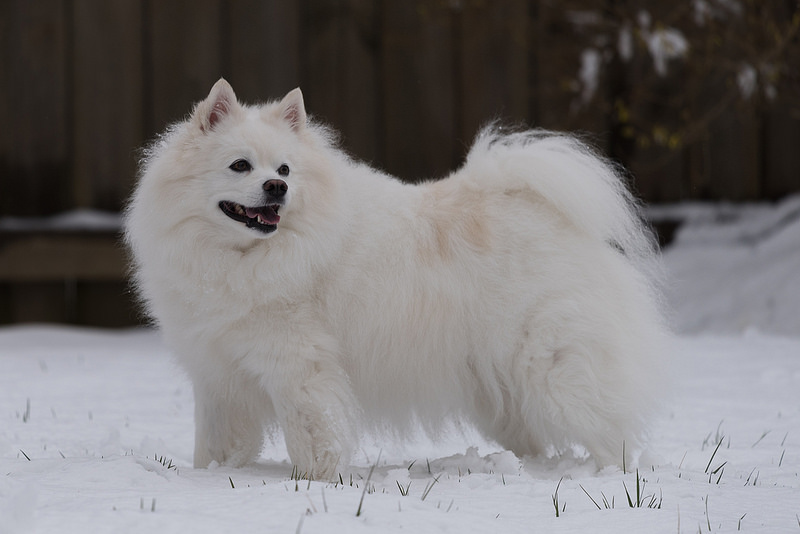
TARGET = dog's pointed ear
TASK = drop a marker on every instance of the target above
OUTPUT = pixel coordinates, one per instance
(293, 110)
(219, 103)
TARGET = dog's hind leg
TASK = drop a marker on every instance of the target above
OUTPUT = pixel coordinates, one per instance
(585, 400)
(499, 417)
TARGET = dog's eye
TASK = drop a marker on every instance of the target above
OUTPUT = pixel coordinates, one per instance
(283, 170)
(241, 165)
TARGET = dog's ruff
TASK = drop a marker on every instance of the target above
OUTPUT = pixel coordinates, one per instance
(513, 295)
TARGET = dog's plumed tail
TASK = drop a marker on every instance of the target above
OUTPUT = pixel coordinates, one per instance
(597, 357)
(585, 188)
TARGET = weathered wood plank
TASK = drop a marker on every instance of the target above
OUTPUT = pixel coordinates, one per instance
(734, 156)
(106, 304)
(98, 304)
(34, 145)
(419, 83)
(340, 74)
(264, 48)
(184, 54)
(42, 258)
(38, 302)
(781, 154)
(107, 98)
(494, 64)
(656, 173)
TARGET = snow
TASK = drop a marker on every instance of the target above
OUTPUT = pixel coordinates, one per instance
(662, 43)
(715, 9)
(665, 44)
(701, 11)
(747, 80)
(625, 42)
(589, 73)
(77, 220)
(96, 431)
(735, 268)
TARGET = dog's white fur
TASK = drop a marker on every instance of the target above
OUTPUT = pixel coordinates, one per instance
(513, 295)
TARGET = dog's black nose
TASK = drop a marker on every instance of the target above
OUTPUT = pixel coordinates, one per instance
(275, 188)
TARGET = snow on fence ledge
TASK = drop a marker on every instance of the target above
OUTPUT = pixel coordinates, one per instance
(66, 268)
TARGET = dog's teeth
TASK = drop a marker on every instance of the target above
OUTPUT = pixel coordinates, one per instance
(260, 219)
(239, 210)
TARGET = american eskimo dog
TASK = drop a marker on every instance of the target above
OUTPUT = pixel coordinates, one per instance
(300, 288)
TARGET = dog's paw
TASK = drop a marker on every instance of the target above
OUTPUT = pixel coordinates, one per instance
(238, 458)
(229, 452)
(326, 465)
(317, 462)
(316, 452)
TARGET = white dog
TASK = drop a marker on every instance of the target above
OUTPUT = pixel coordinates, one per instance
(299, 287)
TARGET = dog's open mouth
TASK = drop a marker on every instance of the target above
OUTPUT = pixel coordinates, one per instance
(263, 218)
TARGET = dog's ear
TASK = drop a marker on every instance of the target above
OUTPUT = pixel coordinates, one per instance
(293, 110)
(219, 103)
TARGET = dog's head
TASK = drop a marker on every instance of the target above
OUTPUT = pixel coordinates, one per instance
(244, 157)
(234, 176)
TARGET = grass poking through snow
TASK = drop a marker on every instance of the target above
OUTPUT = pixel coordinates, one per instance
(555, 499)
(165, 462)
(403, 490)
(641, 500)
(636, 499)
(429, 487)
(366, 484)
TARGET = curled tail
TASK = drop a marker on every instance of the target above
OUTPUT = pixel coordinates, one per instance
(586, 188)
(612, 343)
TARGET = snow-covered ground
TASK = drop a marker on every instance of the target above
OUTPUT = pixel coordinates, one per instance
(735, 268)
(96, 428)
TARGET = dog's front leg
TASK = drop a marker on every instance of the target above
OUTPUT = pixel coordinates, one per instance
(229, 422)
(316, 409)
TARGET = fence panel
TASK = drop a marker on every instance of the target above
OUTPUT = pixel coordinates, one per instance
(83, 84)
(493, 64)
(34, 91)
(418, 86)
(780, 143)
(264, 54)
(184, 53)
(107, 81)
(341, 77)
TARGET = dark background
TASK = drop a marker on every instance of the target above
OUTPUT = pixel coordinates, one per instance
(85, 83)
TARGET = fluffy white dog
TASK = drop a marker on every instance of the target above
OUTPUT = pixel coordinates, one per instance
(299, 287)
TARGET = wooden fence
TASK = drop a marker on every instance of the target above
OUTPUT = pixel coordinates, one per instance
(85, 83)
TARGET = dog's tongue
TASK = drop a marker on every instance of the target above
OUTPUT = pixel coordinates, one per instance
(265, 215)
